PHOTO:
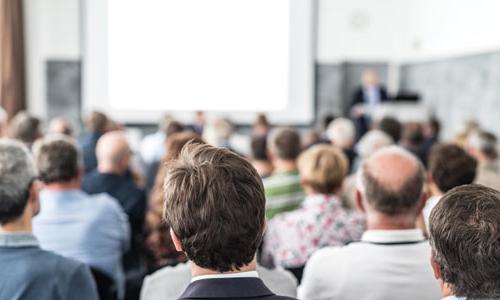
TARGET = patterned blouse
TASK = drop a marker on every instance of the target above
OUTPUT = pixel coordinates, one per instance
(292, 237)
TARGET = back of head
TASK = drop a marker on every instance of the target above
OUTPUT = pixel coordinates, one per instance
(60, 125)
(17, 172)
(218, 132)
(174, 127)
(284, 143)
(57, 159)
(391, 181)
(342, 133)
(372, 141)
(465, 237)
(258, 147)
(323, 168)
(177, 141)
(485, 142)
(97, 122)
(450, 166)
(25, 127)
(392, 127)
(215, 205)
(113, 149)
(413, 134)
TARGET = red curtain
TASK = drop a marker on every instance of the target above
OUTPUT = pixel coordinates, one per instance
(12, 71)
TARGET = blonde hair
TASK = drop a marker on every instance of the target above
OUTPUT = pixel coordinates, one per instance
(323, 168)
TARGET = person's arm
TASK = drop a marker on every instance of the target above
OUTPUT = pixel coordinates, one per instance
(81, 285)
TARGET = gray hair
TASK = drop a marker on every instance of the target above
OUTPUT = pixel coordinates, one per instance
(341, 132)
(17, 171)
(372, 141)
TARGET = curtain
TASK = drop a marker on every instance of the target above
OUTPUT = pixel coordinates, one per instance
(12, 71)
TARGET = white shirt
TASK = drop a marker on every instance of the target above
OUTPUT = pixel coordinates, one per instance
(249, 274)
(386, 264)
(153, 147)
(429, 205)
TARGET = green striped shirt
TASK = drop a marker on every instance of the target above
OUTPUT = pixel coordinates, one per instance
(283, 192)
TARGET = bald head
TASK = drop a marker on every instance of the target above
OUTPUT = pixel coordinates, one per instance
(113, 152)
(391, 182)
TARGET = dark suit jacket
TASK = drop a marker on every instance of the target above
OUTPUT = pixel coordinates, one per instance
(359, 96)
(88, 143)
(230, 288)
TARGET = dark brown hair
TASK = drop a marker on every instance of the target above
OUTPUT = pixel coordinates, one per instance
(56, 159)
(215, 204)
(450, 166)
(97, 122)
(465, 238)
(285, 143)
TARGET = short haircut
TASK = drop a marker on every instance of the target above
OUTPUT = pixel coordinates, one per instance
(258, 147)
(392, 127)
(341, 132)
(17, 172)
(97, 122)
(450, 166)
(57, 159)
(372, 141)
(465, 238)
(284, 143)
(25, 127)
(174, 127)
(215, 204)
(177, 141)
(323, 168)
(389, 200)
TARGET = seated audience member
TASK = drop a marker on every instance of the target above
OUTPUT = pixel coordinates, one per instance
(392, 127)
(60, 125)
(449, 166)
(112, 176)
(431, 130)
(342, 133)
(26, 271)
(96, 125)
(160, 250)
(483, 147)
(465, 239)
(218, 133)
(25, 128)
(261, 126)
(215, 207)
(259, 158)
(3, 123)
(169, 282)
(282, 188)
(392, 259)
(91, 229)
(369, 143)
(292, 237)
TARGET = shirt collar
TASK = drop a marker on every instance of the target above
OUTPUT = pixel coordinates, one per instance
(393, 236)
(18, 239)
(317, 199)
(249, 274)
(453, 298)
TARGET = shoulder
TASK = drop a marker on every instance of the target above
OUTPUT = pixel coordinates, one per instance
(326, 256)
(278, 280)
(166, 282)
(105, 202)
(60, 266)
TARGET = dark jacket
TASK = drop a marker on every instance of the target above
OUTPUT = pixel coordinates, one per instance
(230, 288)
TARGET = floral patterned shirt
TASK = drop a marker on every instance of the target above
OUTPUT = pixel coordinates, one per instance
(292, 237)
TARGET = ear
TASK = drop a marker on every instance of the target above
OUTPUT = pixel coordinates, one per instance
(421, 203)
(359, 201)
(33, 198)
(176, 241)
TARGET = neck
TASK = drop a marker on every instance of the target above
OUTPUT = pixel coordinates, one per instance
(23, 224)
(281, 165)
(73, 184)
(379, 221)
(434, 190)
(108, 169)
(199, 271)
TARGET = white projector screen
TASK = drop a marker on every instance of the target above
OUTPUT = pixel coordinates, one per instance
(234, 58)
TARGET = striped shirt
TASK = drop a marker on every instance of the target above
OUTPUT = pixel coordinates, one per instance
(283, 192)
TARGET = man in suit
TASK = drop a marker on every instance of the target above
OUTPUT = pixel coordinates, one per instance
(365, 100)
(464, 235)
(215, 207)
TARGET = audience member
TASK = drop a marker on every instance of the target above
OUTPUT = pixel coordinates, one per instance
(369, 143)
(169, 282)
(160, 250)
(341, 133)
(28, 272)
(292, 237)
(215, 207)
(483, 147)
(392, 127)
(413, 141)
(469, 126)
(325, 121)
(431, 131)
(392, 259)
(449, 166)
(60, 125)
(465, 239)
(261, 126)
(282, 188)
(96, 125)
(91, 229)
(218, 133)
(112, 176)
(199, 123)
(25, 128)
(259, 157)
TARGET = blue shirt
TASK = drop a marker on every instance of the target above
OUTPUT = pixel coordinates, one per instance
(29, 273)
(91, 229)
